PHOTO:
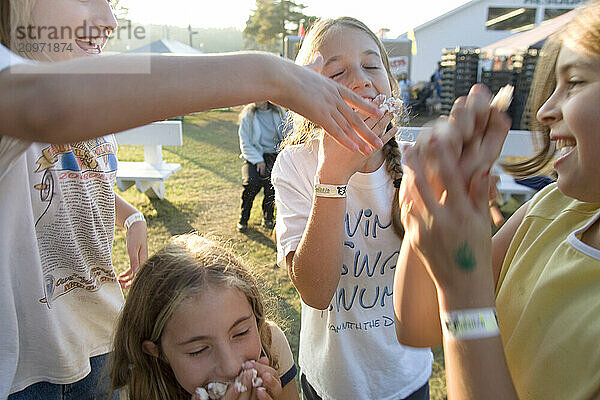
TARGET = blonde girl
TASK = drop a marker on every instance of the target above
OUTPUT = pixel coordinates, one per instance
(341, 250)
(194, 315)
(541, 272)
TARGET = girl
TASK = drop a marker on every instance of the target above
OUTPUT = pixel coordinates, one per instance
(57, 278)
(75, 213)
(545, 261)
(194, 315)
(341, 253)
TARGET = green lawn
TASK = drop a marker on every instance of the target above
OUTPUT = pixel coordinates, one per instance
(204, 196)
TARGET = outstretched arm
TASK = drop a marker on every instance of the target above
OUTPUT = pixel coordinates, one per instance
(64, 102)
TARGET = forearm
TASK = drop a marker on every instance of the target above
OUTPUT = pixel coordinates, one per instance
(122, 210)
(317, 263)
(475, 368)
(55, 102)
(415, 302)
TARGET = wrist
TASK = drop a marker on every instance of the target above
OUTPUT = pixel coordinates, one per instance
(133, 218)
(327, 177)
(478, 294)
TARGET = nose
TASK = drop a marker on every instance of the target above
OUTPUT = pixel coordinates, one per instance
(550, 112)
(358, 79)
(229, 364)
(103, 17)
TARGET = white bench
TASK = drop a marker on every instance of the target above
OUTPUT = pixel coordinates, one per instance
(517, 144)
(149, 175)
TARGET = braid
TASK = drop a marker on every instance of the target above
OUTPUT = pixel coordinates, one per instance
(393, 161)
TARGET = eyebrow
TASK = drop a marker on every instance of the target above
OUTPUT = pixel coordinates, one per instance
(336, 58)
(204, 337)
(575, 65)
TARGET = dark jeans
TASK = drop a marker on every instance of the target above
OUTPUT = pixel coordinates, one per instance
(252, 182)
(95, 386)
(308, 392)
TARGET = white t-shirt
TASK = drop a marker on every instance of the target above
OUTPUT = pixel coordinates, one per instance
(350, 350)
(57, 312)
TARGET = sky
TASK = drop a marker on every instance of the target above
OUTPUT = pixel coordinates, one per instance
(398, 16)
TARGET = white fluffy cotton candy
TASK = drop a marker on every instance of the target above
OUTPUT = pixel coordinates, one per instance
(391, 104)
(216, 390)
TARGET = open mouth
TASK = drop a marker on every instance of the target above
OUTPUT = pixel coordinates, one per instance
(565, 146)
(92, 45)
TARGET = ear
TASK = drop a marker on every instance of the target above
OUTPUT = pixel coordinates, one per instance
(150, 348)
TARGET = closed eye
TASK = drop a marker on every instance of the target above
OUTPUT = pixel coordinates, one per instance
(197, 353)
(333, 76)
(244, 333)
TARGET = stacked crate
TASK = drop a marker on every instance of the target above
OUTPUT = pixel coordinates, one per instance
(521, 117)
(459, 73)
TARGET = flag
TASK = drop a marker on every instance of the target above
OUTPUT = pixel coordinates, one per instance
(411, 35)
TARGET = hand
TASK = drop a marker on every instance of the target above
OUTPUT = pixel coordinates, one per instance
(337, 164)
(330, 106)
(137, 248)
(448, 226)
(261, 168)
(475, 131)
(271, 382)
(270, 389)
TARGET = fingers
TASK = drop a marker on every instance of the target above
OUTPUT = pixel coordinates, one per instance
(125, 278)
(271, 383)
(349, 134)
(478, 100)
(317, 63)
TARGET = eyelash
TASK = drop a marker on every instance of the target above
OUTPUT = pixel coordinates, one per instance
(341, 72)
(244, 333)
(197, 353)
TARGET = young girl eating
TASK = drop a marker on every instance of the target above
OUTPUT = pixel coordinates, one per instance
(338, 233)
(194, 319)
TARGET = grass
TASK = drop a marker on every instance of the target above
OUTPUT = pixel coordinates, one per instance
(205, 196)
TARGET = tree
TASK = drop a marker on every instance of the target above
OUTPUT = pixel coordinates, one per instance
(272, 21)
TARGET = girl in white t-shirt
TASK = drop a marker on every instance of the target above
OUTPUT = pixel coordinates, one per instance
(338, 233)
(195, 316)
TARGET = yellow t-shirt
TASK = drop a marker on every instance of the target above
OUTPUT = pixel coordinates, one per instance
(548, 301)
(281, 349)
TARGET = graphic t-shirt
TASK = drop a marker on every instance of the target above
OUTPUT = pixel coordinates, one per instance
(350, 350)
(59, 296)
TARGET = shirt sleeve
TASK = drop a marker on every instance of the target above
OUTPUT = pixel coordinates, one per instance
(281, 349)
(293, 197)
(10, 148)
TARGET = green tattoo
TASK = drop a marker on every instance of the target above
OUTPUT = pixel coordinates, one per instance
(464, 258)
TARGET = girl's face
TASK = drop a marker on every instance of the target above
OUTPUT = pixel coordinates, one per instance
(573, 115)
(72, 28)
(352, 58)
(209, 337)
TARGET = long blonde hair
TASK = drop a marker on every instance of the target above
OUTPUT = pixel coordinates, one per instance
(584, 32)
(305, 130)
(179, 271)
(14, 14)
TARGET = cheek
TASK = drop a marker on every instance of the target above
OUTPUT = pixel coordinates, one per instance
(189, 372)
(251, 348)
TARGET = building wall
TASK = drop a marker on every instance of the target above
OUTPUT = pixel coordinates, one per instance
(466, 27)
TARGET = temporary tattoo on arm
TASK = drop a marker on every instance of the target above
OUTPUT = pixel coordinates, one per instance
(464, 258)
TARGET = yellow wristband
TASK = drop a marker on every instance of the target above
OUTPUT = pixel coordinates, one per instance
(330, 190)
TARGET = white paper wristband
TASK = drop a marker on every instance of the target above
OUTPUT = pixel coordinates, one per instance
(476, 323)
(135, 217)
(330, 190)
